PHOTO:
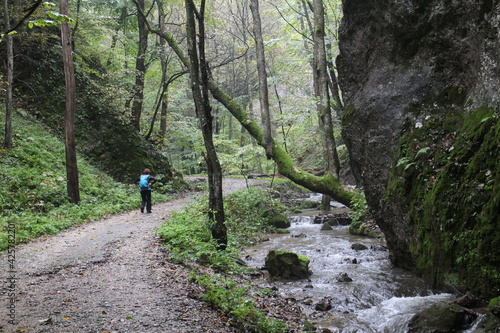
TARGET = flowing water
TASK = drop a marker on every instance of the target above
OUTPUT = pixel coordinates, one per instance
(380, 298)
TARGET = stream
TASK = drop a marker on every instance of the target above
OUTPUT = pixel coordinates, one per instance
(380, 297)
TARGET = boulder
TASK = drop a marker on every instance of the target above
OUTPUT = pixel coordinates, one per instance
(326, 226)
(359, 247)
(276, 219)
(287, 265)
(442, 317)
(323, 305)
(343, 277)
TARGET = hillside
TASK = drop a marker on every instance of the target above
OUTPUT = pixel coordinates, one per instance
(32, 178)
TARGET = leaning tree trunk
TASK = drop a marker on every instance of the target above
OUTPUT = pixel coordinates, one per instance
(199, 85)
(69, 74)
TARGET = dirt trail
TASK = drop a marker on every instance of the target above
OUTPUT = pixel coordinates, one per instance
(108, 276)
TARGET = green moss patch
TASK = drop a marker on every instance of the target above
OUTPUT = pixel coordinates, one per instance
(447, 175)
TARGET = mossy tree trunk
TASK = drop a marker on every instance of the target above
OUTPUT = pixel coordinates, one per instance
(198, 69)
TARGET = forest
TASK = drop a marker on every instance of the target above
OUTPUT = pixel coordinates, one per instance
(386, 106)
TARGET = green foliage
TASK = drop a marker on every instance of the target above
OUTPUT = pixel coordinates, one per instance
(187, 238)
(103, 131)
(250, 212)
(33, 182)
(359, 208)
(232, 299)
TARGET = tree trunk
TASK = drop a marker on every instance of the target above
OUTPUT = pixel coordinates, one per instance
(140, 67)
(69, 75)
(321, 89)
(261, 69)
(199, 86)
(10, 71)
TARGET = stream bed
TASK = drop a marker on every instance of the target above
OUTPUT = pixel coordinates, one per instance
(380, 297)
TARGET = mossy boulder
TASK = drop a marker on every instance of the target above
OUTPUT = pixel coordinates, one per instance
(287, 265)
(442, 317)
(277, 219)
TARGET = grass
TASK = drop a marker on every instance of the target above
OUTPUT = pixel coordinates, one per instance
(33, 199)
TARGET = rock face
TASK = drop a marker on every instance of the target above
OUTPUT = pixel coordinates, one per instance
(420, 81)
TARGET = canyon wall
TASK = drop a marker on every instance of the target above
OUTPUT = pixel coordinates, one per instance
(421, 81)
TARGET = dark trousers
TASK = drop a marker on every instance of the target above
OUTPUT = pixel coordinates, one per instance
(146, 200)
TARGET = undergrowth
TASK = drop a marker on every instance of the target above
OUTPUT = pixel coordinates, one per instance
(249, 213)
(232, 299)
(33, 182)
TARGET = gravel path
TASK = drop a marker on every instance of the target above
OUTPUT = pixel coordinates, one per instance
(106, 276)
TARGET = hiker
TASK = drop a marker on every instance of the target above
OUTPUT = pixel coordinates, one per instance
(145, 181)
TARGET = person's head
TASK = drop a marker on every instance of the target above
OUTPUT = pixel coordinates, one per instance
(146, 171)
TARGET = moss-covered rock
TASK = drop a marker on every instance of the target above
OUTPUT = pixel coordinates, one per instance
(276, 218)
(452, 200)
(422, 132)
(287, 265)
(442, 317)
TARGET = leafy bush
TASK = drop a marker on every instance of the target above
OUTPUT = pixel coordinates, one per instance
(250, 212)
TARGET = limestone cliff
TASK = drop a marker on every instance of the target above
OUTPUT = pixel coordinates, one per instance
(420, 81)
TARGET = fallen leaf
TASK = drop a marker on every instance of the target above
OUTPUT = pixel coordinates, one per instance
(66, 318)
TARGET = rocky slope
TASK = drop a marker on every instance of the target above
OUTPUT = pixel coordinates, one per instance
(420, 80)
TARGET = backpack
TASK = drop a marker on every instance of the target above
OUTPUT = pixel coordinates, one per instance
(144, 182)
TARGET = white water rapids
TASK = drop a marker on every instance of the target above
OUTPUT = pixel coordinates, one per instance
(381, 298)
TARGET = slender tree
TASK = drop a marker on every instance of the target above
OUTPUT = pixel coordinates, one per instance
(69, 75)
(140, 66)
(164, 69)
(198, 69)
(321, 90)
(261, 69)
(10, 71)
